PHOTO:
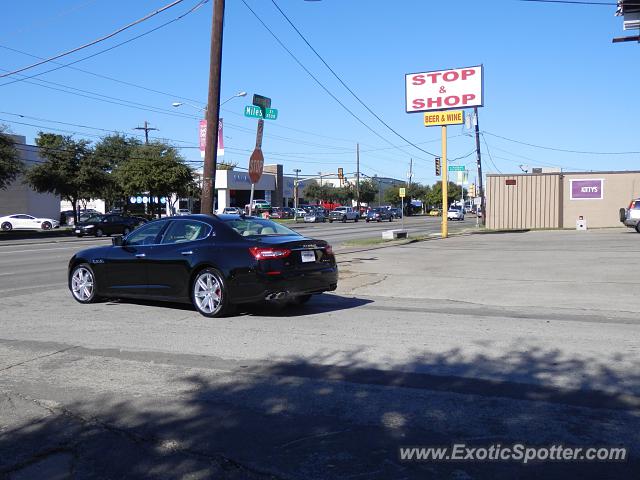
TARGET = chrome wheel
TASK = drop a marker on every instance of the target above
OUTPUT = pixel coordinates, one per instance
(207, 293)
(82, 284)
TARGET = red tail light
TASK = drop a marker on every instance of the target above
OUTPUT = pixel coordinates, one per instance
(328, 249)
(260, 253)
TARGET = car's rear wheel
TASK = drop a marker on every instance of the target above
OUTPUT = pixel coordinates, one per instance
(356, 219)
(46, 225)
(99, 232)
(331, 220)
(344, 219)
(209, 294)
(638, 227)
(7, 227)
(83, 284)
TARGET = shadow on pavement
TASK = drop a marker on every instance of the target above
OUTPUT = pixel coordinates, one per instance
(328, 302)
(306, 418)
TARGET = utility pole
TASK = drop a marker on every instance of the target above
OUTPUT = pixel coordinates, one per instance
(146, 129)
(295, 195)
(213, 111)
(479, 162)
(358, 177)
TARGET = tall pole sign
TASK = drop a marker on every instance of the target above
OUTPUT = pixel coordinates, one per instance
(437, 93)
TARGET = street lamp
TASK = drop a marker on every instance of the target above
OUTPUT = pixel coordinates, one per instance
(204, 109)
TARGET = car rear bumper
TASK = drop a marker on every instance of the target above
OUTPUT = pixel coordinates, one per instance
(631, 222)
(260, 286)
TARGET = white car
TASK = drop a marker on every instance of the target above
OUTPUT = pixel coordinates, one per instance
(232, 211)
(455, 213)
(183, 211)
(21, 221)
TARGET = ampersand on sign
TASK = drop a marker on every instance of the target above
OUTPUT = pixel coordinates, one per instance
(443, 90)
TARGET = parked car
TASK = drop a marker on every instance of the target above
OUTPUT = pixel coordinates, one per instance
(183, 211)
(22, 221)
(211, 261)
(232, 211)
(378, 214)
(435, 212)
(100, 225)
(343, 214)
(396, 212)
(301, 212)
(316, 215)
(630, 216)
(455, 213)
(281, 212)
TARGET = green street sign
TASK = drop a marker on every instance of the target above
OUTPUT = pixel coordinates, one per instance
(456, 168)
(253, 111)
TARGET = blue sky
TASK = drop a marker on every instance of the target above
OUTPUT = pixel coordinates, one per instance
(552, 78)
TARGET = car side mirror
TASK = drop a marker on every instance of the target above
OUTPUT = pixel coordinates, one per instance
(117, 241)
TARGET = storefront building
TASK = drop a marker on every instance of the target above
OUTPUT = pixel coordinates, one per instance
(559, 199)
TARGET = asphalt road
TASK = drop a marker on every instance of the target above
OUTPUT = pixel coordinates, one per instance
(527, 338)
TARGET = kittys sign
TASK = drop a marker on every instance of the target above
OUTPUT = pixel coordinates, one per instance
(444, 89)
(586, 189)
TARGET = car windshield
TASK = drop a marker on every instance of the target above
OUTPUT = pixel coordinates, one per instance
(252, 227)
(94, 218)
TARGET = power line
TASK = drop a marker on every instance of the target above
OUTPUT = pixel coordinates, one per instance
(316, 79)
(96, 41)
(346, 86)
(559, 149)
(194, 8)
(572, 2)
(489, 152)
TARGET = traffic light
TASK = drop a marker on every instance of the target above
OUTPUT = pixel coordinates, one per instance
(437, 166)
(340, 173)
(472, 190)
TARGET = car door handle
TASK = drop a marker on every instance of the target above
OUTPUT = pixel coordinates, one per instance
(141, 255)
(188, 252)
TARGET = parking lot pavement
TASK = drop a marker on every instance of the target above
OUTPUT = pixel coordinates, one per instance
(524, 337)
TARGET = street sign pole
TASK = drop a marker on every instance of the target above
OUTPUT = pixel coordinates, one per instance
(256, 163)
(402, 212)
(445, 201)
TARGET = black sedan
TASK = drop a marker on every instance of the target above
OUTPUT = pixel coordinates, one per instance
(212, 261)
(378, 215)
(100, 225)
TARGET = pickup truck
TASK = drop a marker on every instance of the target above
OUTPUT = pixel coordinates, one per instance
(343, 214)
(630, 216)
(259, 206)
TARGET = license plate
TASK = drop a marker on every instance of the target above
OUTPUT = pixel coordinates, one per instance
(308, 256)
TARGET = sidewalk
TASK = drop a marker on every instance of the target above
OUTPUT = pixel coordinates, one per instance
(582, 271)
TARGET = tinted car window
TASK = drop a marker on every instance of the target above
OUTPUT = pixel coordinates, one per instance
(636, 204)
(94, 218)
(185, 231)
(145, 235)
(257, 226)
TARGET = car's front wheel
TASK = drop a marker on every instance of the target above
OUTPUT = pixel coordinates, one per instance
(83, 284)
(46, 225)
(209, 294)
(638, 227)
(99, 232)
(7, 227)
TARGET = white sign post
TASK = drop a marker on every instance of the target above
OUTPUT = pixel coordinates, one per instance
(444, 89)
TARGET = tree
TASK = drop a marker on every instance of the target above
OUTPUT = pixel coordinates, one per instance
(434, 196)
(368, 191)
(156, 169)
(70, 170)
(312, 191)
(114, 151)
(10, 163)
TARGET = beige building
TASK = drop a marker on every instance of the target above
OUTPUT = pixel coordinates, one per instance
(559, 199)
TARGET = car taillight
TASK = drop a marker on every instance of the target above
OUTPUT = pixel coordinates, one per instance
(260, 253)
(328, 249)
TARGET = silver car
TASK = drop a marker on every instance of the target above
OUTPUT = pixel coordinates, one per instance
(630, 216)
(315, 215)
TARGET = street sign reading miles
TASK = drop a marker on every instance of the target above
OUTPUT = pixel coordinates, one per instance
(254, 111)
